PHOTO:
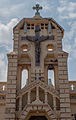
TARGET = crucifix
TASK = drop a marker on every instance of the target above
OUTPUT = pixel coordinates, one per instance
(37, 39)
(37, 8)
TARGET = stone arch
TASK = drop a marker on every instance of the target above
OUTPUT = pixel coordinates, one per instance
(26, 111)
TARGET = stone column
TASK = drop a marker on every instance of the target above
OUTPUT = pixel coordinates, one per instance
(37, 93)
(29, 75)
(19, 78)
(20, 103)
(29, 97)
(54, 102)
(56, 78)
(64, 87)
(11, 87)
(46, 100)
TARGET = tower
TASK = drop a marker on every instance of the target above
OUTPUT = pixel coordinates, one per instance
(36, 59)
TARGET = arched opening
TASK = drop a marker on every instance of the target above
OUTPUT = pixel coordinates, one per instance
(3, 87)
(50, 100)
(51, 75)
(41, 95)
(24, 48)
(50, 48)
(33, 95)
(57, 104)
(24, 80)
(38, 118)
(72, 87)
(24, 100)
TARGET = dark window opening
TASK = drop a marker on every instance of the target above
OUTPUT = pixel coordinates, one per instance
(32, 24)
(52, 26)
(28, 27)
(28, 24)
(42, 24)
(46, 26)
(32, 27)
(42, 27)
(38, 118)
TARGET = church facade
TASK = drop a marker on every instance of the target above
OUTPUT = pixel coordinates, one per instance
(37, 85)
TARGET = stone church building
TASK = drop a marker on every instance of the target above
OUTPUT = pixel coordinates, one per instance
(37, 85)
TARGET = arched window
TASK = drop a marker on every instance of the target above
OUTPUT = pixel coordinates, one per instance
(24, 79)
(50, 48)
(25, 48)
(72, 87)
(51, 75)
(3, 87)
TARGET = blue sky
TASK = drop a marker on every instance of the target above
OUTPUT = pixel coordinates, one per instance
(63, 11)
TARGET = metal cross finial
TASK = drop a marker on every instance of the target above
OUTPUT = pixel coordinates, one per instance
(37, 8)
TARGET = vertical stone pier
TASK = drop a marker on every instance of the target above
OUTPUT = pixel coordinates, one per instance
(11, 87)
(64, 87)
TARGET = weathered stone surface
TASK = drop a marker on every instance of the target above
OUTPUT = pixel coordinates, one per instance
(26, 53)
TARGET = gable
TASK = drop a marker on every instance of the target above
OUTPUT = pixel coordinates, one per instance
(43, 23)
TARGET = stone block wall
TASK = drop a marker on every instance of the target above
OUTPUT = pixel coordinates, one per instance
(64, 87)
(11, 87)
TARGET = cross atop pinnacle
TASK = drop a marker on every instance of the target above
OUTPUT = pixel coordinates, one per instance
(37, 8)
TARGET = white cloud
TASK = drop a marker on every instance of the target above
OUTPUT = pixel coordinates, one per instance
(45, 4)
(10, 10)
(74, 54)
(75, 41)
(3, 68)
(62, 1)
(67, 10)
(72, 15)
(61, 9)
(6, 44)
(70, 40)
(71, 33)
(6, 32)
(67, 48)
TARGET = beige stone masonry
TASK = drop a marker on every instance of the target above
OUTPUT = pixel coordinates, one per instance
(37, 97)
(64, 87)
(11, 87)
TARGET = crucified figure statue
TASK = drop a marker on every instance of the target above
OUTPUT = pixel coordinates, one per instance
(37, 39)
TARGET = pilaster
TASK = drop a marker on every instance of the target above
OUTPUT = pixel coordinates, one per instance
(64, 87)
(37, 93)
(29, 97)
(20, 103)
(46, 100)
(11, 87)
(54, 102)
(16, 40)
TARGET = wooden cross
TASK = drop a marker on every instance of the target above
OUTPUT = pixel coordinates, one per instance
(37, 8)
